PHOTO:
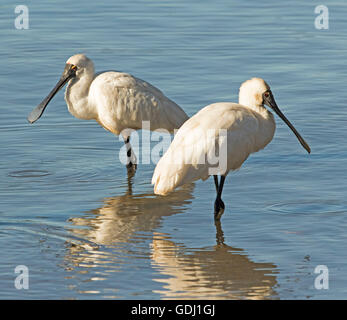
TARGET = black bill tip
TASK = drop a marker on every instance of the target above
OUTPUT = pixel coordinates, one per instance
(36, 113)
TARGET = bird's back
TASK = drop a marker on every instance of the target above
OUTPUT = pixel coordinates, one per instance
(237, 130)
(124, 101)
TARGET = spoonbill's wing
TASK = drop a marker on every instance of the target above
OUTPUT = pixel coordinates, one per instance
(128, 101)
(228, 125)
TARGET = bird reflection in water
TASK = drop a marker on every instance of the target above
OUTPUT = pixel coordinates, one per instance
(125, 228)
(219, 272)
(122, 217)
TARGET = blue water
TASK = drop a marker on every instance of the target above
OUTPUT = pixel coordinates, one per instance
(67, 209)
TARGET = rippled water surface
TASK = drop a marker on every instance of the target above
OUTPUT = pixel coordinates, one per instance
(67, 208)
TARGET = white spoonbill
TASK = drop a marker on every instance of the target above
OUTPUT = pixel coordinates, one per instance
(249, 127)
(118, 101)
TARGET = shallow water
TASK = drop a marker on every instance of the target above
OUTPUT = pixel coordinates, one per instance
(84, 230)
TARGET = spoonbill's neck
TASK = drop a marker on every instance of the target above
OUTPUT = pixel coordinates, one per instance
(77, 97)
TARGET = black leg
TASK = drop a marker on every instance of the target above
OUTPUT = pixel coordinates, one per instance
(216, 182)
(130, 165)
(219, 204)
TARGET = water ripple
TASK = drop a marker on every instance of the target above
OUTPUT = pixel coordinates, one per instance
(29, 173)
(309, 207)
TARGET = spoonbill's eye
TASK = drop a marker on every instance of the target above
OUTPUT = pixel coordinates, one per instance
(73, 67)
(267, 94)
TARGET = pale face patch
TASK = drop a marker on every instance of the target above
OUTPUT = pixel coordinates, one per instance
(259, 98)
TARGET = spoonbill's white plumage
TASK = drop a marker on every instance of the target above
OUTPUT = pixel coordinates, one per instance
(118, 101)
(249, 128)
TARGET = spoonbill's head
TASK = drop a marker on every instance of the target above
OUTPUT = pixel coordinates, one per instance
(76, 67)
(251, 92)
(256, 92)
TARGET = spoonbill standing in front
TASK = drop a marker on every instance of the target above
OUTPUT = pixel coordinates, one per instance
(249, 127)
(118, 101)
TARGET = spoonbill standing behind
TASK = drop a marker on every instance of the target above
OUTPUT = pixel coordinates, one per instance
(118, 101)
(249, 128)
